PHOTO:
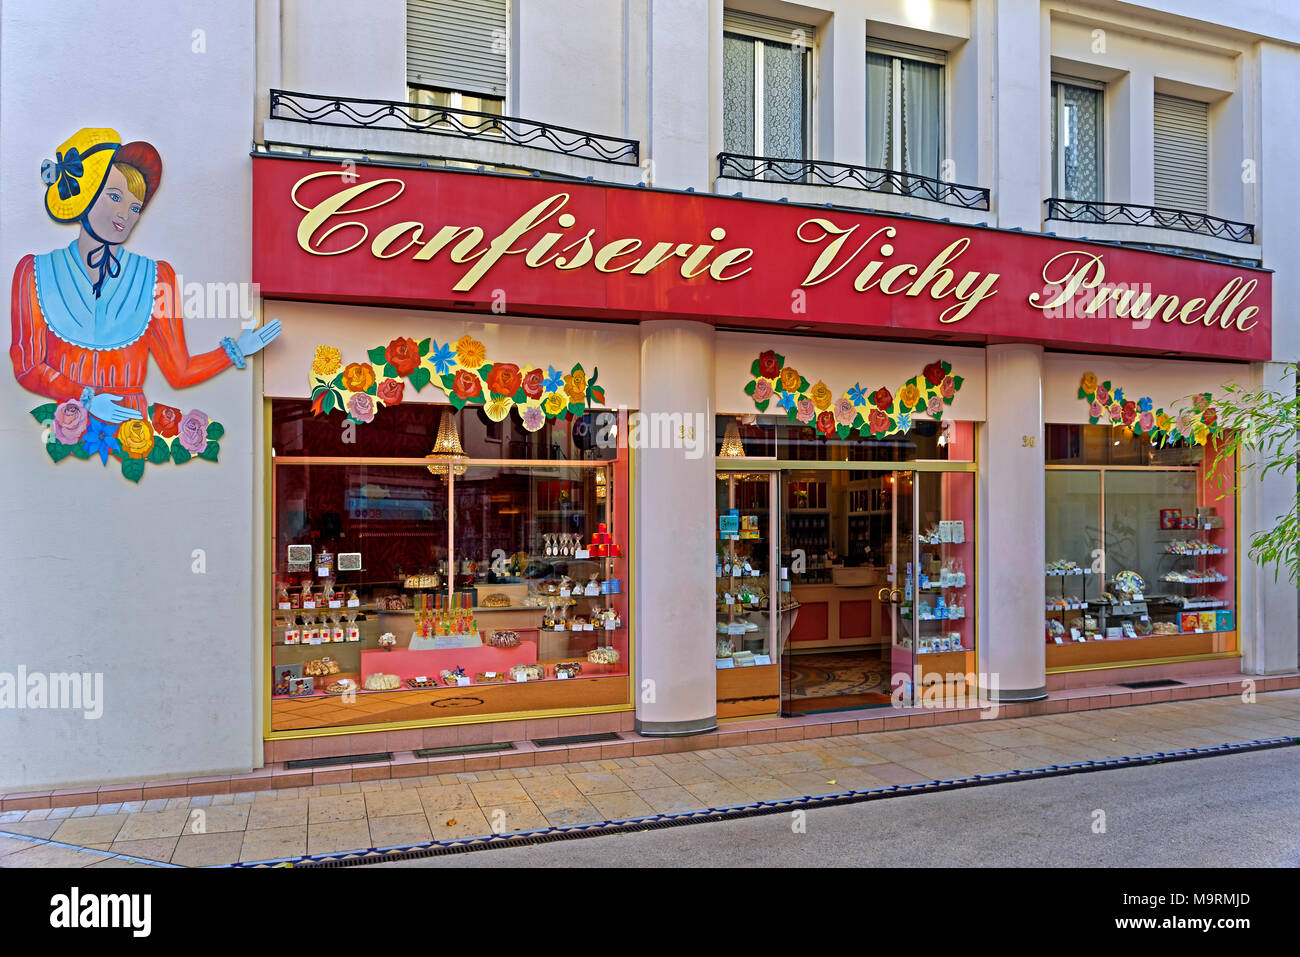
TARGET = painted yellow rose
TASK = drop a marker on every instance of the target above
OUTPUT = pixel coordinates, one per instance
(821, 396)
(555, 404)
(136, 438)
(358, 377)
(328, 361)
(576, 386)
(498, 409)
(1164, 422)
(470, 352)
(1201, 433)
(908, 396)
(1089, 383)
(790, 379)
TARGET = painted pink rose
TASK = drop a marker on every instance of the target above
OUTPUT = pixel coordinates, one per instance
(762, 390)
(70, 420)
(1115, 409)
(1147, 420)
(844, 411)
(805, 411)
(1095, 410)
(193, 433)
(948, 387)
(1184, 423)
(1103, 395)
(390, 391)
(362, 407)
(935, 406)
(533, 417)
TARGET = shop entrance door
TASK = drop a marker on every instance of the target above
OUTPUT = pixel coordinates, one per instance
(847, 555)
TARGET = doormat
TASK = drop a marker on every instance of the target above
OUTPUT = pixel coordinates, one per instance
(1154, 683)
(299, 763)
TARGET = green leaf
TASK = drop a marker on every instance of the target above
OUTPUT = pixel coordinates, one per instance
(390, 371)
(576, 367)
(180, 455)
(376, 355)
(1106, 385)
(576, 408)
(420, 378)
(151, 405)
(374, 388)
(318, 389)
(749, 388)
(947, 368)
(780, 360)
(216, 430)
(1083, 395)
(858, 421)
(327, 404)
(448, 380)
(957, 381)
(79, 451)
(133, 469)
(762, 406)
(457, 402)
(484, 370)
(479, 399)
(57, 451)
(753, 370)
(44, 414)
(424, 348)
(803, 384)
(519, 398)
(791, 412)
(161, 451)
(210, 451)
(842, 431)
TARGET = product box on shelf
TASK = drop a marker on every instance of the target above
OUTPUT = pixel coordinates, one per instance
(1170, 517)
(1189, 621)
(1223, 620)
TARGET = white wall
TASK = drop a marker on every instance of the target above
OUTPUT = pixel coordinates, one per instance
(343, 47)
(97, 571)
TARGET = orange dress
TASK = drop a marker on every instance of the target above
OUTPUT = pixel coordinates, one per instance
(59, 370)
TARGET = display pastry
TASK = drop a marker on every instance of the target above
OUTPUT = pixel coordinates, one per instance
(606, 655)
(504, 639)
(382, 682)
(320, 667)
(567, 669)
(495, 600)
(449, 678)
(527, 672)
(423, 681)
(342, 686)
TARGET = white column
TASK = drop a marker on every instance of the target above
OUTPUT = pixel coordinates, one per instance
(685, 75)
(1020, 134)
(1267, 620)
(1012, 527)
(676, 690)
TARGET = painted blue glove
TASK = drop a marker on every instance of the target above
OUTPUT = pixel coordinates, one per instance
(255, 340)
(104, 407)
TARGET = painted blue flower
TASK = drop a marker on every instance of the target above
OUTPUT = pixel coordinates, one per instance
(1118, 396)
(1144, 405)
(785, 400)
(441, 357)
(99, 439)
(904, 421)
(554, 380)
(856, 395)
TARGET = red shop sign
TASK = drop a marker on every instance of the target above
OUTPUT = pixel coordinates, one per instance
(439, 239)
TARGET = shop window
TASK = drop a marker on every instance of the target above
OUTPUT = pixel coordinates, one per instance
(407, 591)
(905, 108)
(453, 100)
(1077, 157)
(1140, 547)
(767, 436)
(766, 86)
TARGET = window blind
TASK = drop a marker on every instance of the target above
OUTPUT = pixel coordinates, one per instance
(1182, 146)
(457, 45)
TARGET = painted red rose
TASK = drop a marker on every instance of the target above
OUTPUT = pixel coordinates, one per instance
(504, 379)
(1128, 412)
(934, 373)
(403, 355)
(465, 384)
(166, 420)
(1209, 417)
(826, 423)
(878, 421)
(768, 367)
(533, 380)
(390, 391)
(948, 388)
(881, 399)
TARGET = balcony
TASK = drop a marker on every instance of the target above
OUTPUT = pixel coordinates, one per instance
(841, 184)
(1175, 229)
(425, 135)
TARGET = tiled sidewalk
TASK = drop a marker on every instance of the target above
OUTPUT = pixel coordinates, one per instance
(322, 819)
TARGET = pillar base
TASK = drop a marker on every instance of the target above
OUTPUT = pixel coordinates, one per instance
(1014, 694)
(665, 728)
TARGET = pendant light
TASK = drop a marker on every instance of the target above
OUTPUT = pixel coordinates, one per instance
(447, 453)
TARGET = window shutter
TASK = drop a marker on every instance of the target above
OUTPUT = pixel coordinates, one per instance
(457, 45)
(1182, 147)
(770, 29)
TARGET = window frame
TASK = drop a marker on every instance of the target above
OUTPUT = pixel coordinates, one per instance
(1058, 159)
(770, 30)
(905, 51)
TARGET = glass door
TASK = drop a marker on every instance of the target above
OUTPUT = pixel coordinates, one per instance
(903, 590)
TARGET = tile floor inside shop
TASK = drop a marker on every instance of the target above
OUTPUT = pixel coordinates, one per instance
(330, 818)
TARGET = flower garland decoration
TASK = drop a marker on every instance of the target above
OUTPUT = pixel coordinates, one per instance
(871, 415)
(166, 435)
(1196, 425)
(461, 370)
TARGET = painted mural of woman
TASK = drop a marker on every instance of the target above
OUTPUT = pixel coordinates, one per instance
(86, 317)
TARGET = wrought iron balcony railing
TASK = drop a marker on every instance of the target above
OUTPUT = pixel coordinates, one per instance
(351, 112)
(1129, 214)
(823, 173)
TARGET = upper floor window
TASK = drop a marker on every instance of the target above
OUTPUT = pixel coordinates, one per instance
(456, 54)
(905, 108)
(1182, 147)
(766, 86)
(1077, 162)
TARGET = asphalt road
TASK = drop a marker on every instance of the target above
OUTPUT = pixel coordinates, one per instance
(1235, 811)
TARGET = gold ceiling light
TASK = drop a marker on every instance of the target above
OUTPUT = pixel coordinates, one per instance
(601, 488)
(447, 453)
(732, 447)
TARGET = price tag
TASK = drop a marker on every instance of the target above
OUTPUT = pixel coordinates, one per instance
(1059, 640)
(725, 663)
(322, 571)
(462, 681)
(762, 659)
(1074, 633)
(521, 678)
(354, 602)
(309, 604)
(582, 553)
(1137, 596)
(336, 604)
(564, 593)
(562, 675)
(283, 606)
